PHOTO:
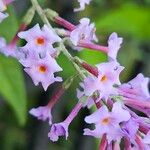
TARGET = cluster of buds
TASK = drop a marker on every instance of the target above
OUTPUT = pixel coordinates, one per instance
(115, 119)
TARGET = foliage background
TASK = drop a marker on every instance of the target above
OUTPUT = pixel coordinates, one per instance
(20, 131)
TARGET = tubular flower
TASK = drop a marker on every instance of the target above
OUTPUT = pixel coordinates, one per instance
(61, 129)
(42, 70)
(137, 86)
(114, 43)
(58, 129)
(40, 40)
(108, 75)
(42, 113)
(7, 50)
(83, 32)
(107, 122)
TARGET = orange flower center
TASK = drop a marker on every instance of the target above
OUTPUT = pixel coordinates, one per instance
(103, 79)
(40, 41)
(106, 121)
(42, 69)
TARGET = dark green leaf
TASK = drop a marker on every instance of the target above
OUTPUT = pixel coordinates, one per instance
(11, 77)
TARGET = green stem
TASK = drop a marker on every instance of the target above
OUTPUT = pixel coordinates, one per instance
(41, 13)
(69, 56)
(28, 16)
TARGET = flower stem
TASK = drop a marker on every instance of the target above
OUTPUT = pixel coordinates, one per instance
(41, 13)
(93, 46)
(139, 142)
(139, 103)
(69, 56)
(127, 144)
(116, 146)
(73, 113)
(60, 91)
(103, 143)
(64, 23)
(25, 22)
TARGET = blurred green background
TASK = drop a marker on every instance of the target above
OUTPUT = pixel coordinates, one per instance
(20, 131)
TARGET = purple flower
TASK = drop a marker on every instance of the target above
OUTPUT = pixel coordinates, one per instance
(83, 32)
(107, 122)
(58, 129)
(82, 5)
(42, 113)
(40, 40)
(137, 86)
(61, 129)
(108, 75)
(42, 70)
(8, 50)
(114, 43)
(130, 129)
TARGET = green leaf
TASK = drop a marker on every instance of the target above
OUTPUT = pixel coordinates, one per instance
(11, 77)
(92, 57)
(68, 69)
(129, 19)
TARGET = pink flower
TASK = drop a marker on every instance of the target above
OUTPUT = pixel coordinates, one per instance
(114, 43)
(107, 122)
(42, 113)
(108, 76)
(40, 40)
(61, 129)
(42, 70)
(10, 50)
(7, 50)
(82, 5)
(130, 129)
(58, 129)
(83, 32)
(137, 86)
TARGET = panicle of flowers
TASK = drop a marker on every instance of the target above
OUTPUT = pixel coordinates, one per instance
(115, 119)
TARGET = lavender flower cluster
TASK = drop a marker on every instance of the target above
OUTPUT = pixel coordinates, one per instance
(115, 119)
